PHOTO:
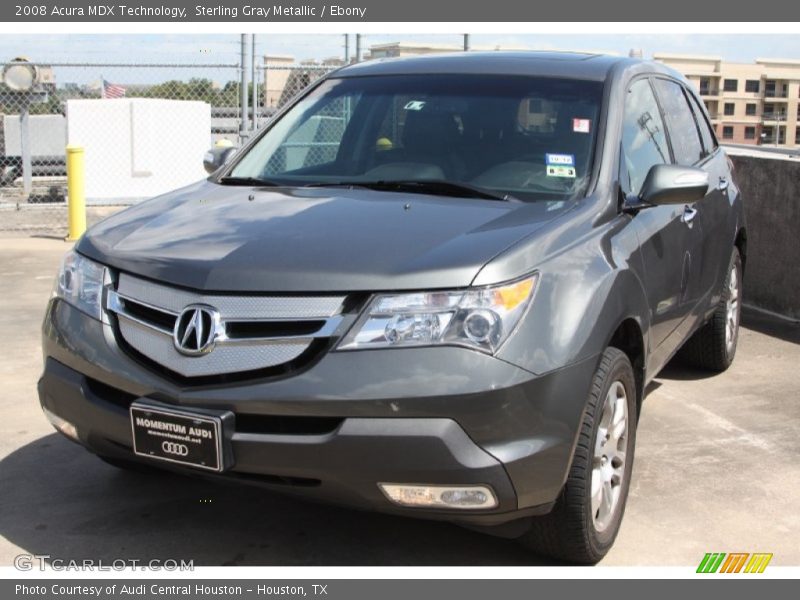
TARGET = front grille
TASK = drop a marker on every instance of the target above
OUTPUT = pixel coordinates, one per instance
(244, 422)
(251, 333)
(286, 425)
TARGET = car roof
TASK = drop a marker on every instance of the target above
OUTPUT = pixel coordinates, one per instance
(571, 65)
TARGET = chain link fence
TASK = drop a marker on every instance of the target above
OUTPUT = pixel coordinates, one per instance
(144, 127)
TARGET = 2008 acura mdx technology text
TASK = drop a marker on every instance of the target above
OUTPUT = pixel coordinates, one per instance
(435, 287)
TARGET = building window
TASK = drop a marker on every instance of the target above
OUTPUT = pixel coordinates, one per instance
(769, 111)
(731, 85)
(797, 136)
(727, 132)
(749, 133)
(750, 109)
(705, 86)
(752, 85)
(729, 108)
(772, 89)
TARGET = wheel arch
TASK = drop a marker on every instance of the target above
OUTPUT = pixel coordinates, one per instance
(628, 338)
(741, 245)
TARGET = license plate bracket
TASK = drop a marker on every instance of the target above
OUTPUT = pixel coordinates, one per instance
(196, 438)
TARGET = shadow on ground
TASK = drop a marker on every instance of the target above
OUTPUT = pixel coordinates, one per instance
(60, 500)
(678, 369)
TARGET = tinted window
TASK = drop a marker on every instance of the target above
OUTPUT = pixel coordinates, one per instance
(751, 85)
(729, 108)
(731, 85)
(750, 110)
(527, 136)
(727, 132)
(706, 132)
(680, 122)
(644, 142)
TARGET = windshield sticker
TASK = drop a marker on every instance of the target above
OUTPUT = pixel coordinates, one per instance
(414, 105)
(560, 171)
(560, 159)
(581, 125)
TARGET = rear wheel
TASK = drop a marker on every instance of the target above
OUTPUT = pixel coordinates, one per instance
(586, 518)
(713, 346)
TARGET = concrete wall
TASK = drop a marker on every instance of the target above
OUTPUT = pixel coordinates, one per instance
(771, 189)
(139, 148)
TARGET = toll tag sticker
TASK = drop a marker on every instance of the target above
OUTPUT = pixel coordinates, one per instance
(581, 125)
(560, 159)
(560, 171)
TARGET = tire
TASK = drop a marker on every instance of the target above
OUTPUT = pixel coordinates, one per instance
(713, 346)
(578, 530)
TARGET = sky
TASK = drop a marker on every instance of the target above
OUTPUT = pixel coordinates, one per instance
(199, 49)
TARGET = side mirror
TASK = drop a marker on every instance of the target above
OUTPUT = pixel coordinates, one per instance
(217, 157)
(670, 184)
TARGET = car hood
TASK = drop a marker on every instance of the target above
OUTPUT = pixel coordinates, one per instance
(224, 238)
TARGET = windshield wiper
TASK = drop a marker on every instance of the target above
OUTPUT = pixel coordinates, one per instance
(434, 187)
(254, 181)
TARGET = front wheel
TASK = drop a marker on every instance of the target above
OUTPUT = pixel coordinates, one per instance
(586, 518)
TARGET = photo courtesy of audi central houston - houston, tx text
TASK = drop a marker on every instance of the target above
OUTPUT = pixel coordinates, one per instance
(395, 298)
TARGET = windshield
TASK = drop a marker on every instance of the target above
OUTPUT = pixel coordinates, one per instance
(523, 136)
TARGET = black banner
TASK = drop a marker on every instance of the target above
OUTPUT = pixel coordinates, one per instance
(394, 589)
(354, 11)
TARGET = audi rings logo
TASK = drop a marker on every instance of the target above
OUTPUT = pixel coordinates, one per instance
(196, 330)
(175, 448)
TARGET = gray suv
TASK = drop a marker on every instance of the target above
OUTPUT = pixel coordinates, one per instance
(435, 287)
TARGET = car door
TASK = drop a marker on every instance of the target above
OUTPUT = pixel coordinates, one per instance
(665, 239)
(715, 207)
(703, 217)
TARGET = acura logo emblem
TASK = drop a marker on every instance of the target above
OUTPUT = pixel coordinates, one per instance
(196, 330)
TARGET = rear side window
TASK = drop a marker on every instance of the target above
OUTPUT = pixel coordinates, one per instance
(644, 143)
(706, 134)
(681, 124)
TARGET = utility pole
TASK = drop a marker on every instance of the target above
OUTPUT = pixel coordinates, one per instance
(243, 92)
(346, 48)
(25, 148)
(466, 42)
(358, 47)
(254, 126)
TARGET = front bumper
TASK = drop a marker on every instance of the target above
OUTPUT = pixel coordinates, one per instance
(333, 431)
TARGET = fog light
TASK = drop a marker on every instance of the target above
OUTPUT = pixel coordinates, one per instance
(440, 496)
(65, 427)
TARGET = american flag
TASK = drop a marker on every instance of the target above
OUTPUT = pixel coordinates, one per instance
(113, 90)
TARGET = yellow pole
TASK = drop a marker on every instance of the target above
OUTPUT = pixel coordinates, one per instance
(76, 192)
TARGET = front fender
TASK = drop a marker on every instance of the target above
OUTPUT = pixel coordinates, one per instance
(582, 295)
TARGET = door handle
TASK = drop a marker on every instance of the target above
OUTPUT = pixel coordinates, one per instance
(689, 214)
(723, 184)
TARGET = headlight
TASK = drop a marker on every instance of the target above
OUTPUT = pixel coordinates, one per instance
(479, 318)
(80, 282)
